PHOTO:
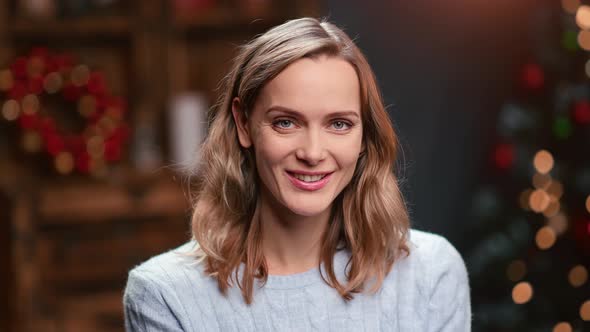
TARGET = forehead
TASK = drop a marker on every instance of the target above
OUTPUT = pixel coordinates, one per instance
(314, 85)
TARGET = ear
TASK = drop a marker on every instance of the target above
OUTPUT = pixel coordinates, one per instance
(241, 122)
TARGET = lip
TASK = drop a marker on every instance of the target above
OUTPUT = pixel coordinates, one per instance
(313, 186)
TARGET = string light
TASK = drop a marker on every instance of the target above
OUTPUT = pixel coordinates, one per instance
(522, 292)
(64, 163)
(583, 17)
(543, 161)
(585, 311)
(552, 209)
(52, 82)
(562, 327)
(584, 39)
(30, 104)
(539, 200)
(524, 198)
(558, 223)
(578, 276)
(6, 80)
(545, 237)
(10, 110)
(541, 181)
(555, 189)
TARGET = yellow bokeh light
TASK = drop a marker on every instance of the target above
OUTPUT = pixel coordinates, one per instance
(578, 276)
(516, 270)
(558, 223)
(587, 68)
(6, 80)
(570, 6)
(52, 82)
(31, 141)
(522, 292)
(583, 17)
(87, 105)
(545, 237)
(64, 163)
(584, 39)
(562, 327)
(10, 110)
(539, 200)
(30, 104)
(552, 209)
(555, 189)
(95, 146)
(523, 199)
(543, 160)
(588, 203)
(541, 181)
(585, 311)
(80, 75)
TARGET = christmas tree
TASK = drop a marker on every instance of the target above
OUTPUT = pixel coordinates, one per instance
(529, 255)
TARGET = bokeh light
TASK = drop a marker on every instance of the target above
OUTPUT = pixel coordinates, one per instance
(52, 82)
(522, 292)
(539, 200)
(524, 199)
(552, 209)
(80, 75)
(570, 6)
(10, 110)
(31, 141)
(555, 189)
(562, 327)
(543, 161)
(585, 311)
(545, 237)
(583, 17)
(516, 270)
(30, 104)
(584, 39)
(6, 80)
(558, 223)
(95, 146)
(64, 163)
(588, 203)
(541, 181)
(578, 276)
(87, 105)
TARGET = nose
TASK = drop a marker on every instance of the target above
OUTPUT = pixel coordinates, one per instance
(311, 149)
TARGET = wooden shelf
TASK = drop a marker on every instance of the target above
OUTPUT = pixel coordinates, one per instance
(81, 27)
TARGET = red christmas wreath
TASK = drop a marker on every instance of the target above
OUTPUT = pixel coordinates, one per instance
(33, 79)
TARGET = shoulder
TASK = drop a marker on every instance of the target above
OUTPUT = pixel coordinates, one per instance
(435, 257)
(166, 277)
(433, 262)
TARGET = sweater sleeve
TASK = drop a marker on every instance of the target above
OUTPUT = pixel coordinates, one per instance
(144, 306)
(449, 308)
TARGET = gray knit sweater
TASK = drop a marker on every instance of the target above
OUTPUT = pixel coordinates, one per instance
(427, 291)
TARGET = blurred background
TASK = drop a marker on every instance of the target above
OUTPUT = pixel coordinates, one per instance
(101, 100)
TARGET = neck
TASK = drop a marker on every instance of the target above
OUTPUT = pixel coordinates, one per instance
(291, 243)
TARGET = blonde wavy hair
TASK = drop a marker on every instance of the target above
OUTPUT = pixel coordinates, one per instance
(368, 218)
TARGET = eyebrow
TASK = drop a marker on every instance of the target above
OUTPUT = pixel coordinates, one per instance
(298, 114)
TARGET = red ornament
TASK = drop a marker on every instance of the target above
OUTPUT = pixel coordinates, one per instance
(533, 76)
(504, 156)
(581, 112)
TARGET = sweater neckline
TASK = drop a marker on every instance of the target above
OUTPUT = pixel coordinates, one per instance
(306, 278)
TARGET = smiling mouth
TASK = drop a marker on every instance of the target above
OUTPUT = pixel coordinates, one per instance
(308, 178)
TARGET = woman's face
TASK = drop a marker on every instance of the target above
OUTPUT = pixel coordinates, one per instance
(306, 131)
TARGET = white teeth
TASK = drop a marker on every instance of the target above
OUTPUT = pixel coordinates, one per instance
(309, 178)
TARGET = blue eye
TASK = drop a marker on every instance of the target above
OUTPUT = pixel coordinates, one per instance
(340, 125)
(283, 123)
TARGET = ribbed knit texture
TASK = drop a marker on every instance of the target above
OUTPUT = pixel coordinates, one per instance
(427, 291)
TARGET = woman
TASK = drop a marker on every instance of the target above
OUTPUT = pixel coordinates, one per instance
(298, 221)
